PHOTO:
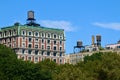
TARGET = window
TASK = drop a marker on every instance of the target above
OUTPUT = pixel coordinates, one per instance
(23, 38)
(36, 46)
(42, 52)
(23, 51)
(30, 33)
(60, 48)
(36, 39)
(48, 35)
(54, 60)
(60, 42)
(55, 36)
(60, 60)
(60, 36)
(14, 32)
(10, 33)
(0, 35)
(48, 47)
(60, 54)
(23, 32)
(48, 41)
(5, 34)
(42, 34)
(30, 39)
(29, 51)
(36, 59)
(54, 54)
(10, 45)
(23, 45)
(54, 42)
(42, 40)
(36, 33)
(36, 52)
(48, 53)
(29, 45)
(118, 46)
(54, 47)
(42, 46)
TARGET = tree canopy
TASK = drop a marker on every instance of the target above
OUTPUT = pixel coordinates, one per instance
(99, 66)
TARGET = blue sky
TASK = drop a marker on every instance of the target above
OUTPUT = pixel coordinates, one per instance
(80, 18)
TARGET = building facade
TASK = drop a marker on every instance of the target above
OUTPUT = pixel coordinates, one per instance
(113, 46)
(35, 43)
(75, 58)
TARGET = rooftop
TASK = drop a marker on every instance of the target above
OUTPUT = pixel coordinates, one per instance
(31, 27)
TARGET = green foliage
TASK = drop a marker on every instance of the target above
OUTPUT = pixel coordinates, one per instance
(95, 56)
(99, 66)
(101, 48)
(13, 69)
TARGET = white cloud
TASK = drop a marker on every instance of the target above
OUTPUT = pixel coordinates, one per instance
(67, 26)
(115, 26)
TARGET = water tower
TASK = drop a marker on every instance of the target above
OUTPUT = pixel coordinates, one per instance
(79, 47)
(31, 19)
(98, 40)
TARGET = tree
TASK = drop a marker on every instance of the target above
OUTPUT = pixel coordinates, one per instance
(99, 66)
(95, 56)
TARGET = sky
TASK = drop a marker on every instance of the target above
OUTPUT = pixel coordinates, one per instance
(79, 18)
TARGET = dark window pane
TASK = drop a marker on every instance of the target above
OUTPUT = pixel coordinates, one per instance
(36, 52)
(54, 54)
(48, 53)
(54, 60)
(29, 51)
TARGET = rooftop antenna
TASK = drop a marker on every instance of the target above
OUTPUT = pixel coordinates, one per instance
(31, 19)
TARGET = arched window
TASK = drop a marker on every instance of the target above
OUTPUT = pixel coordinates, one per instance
(30, 33)
(42, 34)
(48, 35)
(55, 36)
(36, 33)
(61, 37)
(23, 32)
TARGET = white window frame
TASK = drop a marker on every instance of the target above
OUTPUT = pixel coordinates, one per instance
(54, 36)
(23, 45)
(37, 45)
(49, 34)
(31, 33)
(24, 32)
(36, 59)
(61, 36)
(35, 34)
(49, 47)
(42, 34)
